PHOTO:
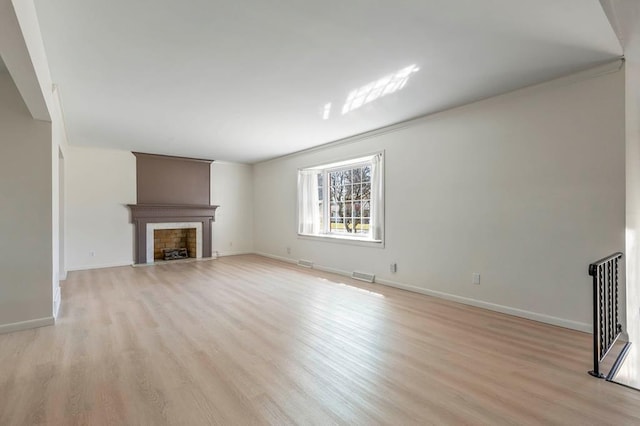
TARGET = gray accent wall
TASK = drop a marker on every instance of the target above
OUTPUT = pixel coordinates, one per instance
(172, 180)
(25, 214)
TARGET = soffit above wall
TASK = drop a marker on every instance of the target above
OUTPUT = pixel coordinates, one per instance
(624, 16)
(17, 59)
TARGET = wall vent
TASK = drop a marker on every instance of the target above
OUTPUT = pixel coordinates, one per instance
(305, 263)
(363, 276)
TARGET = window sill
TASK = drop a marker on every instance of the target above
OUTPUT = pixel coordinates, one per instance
(343, 240)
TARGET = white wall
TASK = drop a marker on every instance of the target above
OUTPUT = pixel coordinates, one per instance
(99, 185)
(632, 254)
(25, 214)
(232, 190)
(527, 189)
(58, 148)
(101, 182)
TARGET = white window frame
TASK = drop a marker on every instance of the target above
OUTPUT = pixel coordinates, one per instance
(325, 232)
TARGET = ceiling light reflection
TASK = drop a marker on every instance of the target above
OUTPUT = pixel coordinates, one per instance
(376, 89)
(326, 111)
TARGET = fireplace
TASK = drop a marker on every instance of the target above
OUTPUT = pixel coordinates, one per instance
(149, 218)
(173, 193)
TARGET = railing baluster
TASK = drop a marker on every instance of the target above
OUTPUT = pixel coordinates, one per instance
(617, 318)
(605, 310)
(601, 304)
(606, 326)
(612, 326)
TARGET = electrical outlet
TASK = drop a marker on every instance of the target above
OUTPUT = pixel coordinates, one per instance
(475, 278)
(393, 267)
(288, 250)
(92, 253)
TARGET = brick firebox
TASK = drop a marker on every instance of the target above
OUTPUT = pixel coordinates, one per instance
(174, 239)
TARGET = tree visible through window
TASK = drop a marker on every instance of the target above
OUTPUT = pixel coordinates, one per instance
(344, 198)
(350, 200)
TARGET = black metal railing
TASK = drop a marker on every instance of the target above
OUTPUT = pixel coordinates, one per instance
(606, 322)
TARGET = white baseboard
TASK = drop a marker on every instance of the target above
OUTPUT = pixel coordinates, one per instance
(332, 270)
(100, 266)
(119, 264)
(547, 319)
(26, 325)
(280, 258)
(56, 301)
(231, 253)
(315, 266)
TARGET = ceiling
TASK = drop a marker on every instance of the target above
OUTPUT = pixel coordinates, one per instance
(251, 80)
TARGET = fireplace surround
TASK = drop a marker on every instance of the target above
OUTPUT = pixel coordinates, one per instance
(148, 217)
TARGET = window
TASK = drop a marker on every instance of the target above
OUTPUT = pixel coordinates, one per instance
(343, 200)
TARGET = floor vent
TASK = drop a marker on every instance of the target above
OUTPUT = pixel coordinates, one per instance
(305, 263)
(363, 276)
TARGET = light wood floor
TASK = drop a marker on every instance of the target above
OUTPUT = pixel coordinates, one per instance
(247, 340)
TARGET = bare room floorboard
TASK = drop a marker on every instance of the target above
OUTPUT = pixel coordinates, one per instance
(249, 340)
